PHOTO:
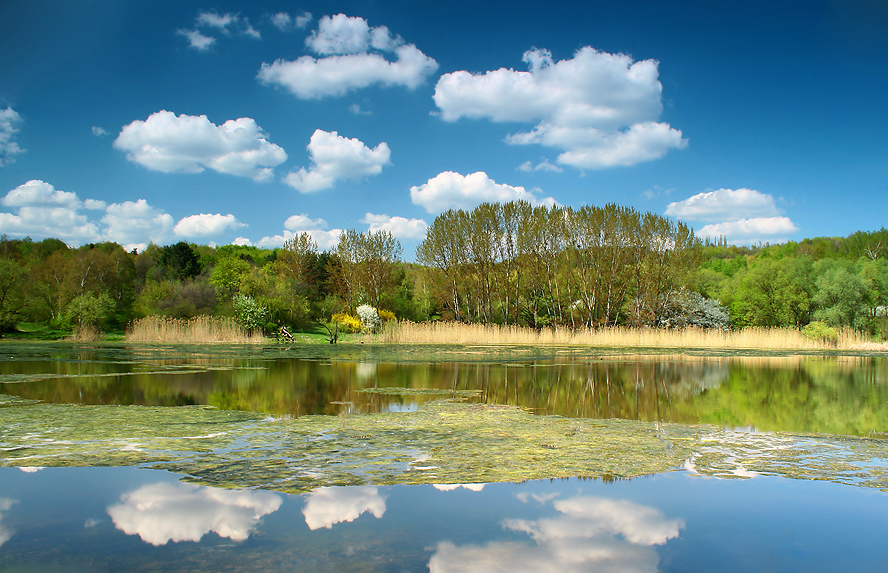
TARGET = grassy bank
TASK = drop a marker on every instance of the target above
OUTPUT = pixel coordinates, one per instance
(760, 338)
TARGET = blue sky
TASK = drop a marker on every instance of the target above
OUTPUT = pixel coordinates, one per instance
(221, 122)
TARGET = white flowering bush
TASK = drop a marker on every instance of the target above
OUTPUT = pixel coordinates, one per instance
(249, 313)
(369, 316)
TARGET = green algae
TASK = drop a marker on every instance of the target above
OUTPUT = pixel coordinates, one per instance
(397, 391)
(442, 442)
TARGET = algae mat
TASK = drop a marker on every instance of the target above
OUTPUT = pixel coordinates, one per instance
(443, 442)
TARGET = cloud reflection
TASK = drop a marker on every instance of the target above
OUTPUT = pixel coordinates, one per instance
(164, 512)
(453, 486)
(327, 506)
(5, 533)
(590, 533)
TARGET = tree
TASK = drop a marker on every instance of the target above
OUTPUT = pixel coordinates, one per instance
(89, 311)
(12, 293)
(180, 260)
(369, 263)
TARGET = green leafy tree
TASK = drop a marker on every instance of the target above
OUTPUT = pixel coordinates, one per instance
(89, 310)
(13, 276)
(841, 296)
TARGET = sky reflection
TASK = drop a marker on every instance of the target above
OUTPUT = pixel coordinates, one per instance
(590, 533)
(164, 512)
(327, 506)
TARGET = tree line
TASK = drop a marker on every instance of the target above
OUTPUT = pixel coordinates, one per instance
(513, 263)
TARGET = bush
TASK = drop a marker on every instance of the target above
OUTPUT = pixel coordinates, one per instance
(347, 322)
(369, 316)
(386, 315)
(819, 330)
(249, 313)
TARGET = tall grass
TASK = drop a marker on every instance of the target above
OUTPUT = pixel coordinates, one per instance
(200, 329)
(759, 338)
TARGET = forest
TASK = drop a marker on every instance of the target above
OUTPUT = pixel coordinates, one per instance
(512, 263)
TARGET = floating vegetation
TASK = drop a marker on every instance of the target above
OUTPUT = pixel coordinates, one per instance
(397, 391)
(442, 442)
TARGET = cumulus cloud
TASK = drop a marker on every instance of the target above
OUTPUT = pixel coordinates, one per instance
(42, 210)
(164, 512)
(206, 225)
(334, 157)
(449, 190)
(744, 216)
(750, 231)
(190, 144)
(724, 204)
(9, 148)
(601, 109)
(589, 534)
(399, 227)
(303, 222)
(353, 61)
(135, 224)
(285, 22)
(327, 506)
(298, 224)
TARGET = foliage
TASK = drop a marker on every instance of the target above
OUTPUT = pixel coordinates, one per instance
(386, 315)
(228, 274)
(347, 322)
(819, 330)
(249, 313)
(89, 311)
(369, 317)
(686, 308)
(181, 261)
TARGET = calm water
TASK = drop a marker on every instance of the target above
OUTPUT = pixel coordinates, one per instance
(113, 519)
(846, 395)
(125, 518)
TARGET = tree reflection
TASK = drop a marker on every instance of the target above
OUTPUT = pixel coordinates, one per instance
(163, 512)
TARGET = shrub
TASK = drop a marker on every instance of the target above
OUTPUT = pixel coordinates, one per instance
(249, 313)
(819, 330)
(347, 322)
(386, 315)
(369, 316)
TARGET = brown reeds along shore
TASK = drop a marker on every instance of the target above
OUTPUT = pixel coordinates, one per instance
(200, 329)
(760, 338)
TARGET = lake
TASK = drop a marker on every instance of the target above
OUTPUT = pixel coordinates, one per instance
(404, 458)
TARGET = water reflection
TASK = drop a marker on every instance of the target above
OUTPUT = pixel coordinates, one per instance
(590, 533)
(327, 506)
(164, 512)
(826, 394)
(5, 533)
(453, 486)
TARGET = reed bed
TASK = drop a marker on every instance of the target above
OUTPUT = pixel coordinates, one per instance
(200, 329)
(752, 338)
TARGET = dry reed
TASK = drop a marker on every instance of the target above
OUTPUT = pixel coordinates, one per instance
(200, 329)
(758, 338)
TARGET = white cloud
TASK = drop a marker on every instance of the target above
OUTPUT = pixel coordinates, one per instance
(356, 109)
(136, 224)
(303, 222)
(226, 24)
(347, 42)
(243, 241)
(196, 40)
(744, 216)
(9, 118)
(189, 144)
(42, 210)
(285, 22)
(163, 512)
(334, 157)
(206, 225)
(601, 109)
(750, 231)
(99, 131)
(589, 534)
(544, 165)
(724, 204)
(327, 506)
(449, 190)
(399, 227)
(298, 224)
